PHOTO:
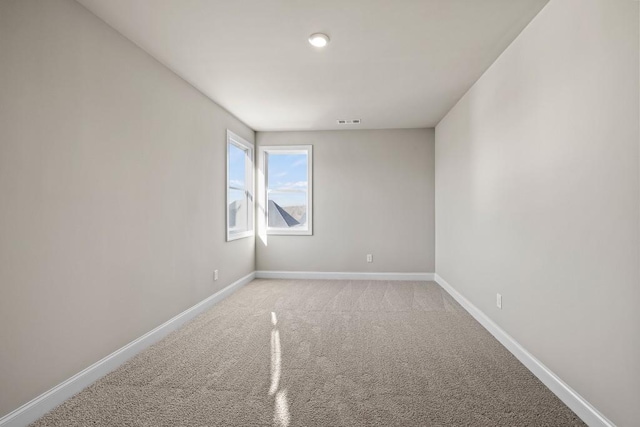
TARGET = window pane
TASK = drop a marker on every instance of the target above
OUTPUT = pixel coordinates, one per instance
(238, 206)
(287, 210)
(237, 165)
(287, 190)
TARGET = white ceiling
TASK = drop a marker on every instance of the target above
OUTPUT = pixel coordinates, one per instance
(391, 63)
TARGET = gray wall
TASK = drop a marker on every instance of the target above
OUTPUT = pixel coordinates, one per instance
(112, 179)
(537, 197)
(373, 193)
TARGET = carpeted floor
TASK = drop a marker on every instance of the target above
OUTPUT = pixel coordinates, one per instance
(322, 353)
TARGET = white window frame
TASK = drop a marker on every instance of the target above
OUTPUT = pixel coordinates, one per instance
(247, 146)
(264, 151)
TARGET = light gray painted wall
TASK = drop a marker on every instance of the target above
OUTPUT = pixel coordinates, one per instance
(373, 193)
(537, 197)
(112, 183)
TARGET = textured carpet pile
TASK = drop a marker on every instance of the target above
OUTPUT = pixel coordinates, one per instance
(322, 353)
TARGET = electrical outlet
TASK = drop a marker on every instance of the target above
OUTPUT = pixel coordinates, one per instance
(499, 301)
(369, 258)
(215, 274)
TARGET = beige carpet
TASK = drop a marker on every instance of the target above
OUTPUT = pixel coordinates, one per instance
(322, 353)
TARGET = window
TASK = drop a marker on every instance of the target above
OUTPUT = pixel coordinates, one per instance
(287, 189)
(239, 187)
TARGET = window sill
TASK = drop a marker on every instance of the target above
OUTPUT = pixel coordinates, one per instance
(289, 232)
(237, 236)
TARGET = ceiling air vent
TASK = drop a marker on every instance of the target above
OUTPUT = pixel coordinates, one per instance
(349, 122)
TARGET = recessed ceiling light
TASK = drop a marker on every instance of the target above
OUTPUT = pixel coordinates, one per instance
(319, 39)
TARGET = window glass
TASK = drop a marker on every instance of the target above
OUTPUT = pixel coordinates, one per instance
(239, 187)
(287, 190)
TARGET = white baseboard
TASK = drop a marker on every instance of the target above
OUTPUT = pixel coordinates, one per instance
(321, 275)
(36, 408)
(570, 397)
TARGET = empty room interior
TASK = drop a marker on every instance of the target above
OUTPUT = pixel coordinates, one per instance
(319, 213)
